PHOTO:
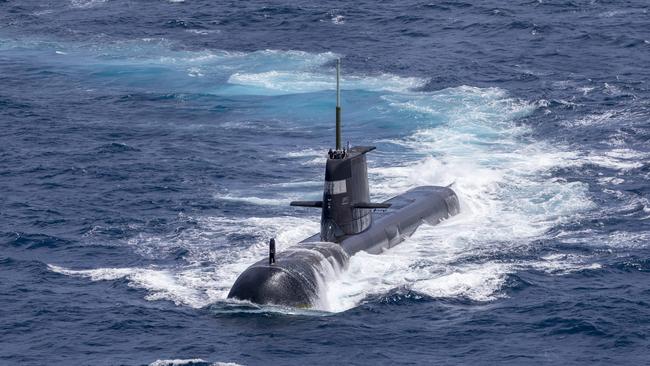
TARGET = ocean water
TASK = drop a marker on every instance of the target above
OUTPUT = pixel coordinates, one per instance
(149, 150)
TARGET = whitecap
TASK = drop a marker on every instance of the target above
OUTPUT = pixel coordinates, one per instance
(85, 4)
(338, 19)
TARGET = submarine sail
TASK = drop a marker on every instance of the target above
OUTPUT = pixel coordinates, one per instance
(350, 223)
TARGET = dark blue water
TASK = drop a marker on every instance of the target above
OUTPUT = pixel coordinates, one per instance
(148, 150)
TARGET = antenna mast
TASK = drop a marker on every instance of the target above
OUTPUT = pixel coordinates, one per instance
(338, 104)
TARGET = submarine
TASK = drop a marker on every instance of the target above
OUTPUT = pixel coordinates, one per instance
(349, 223)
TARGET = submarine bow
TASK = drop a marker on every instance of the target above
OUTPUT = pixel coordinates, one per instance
(294, 278)
(350, 223)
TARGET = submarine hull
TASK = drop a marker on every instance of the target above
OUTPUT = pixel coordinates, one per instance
(296, 277)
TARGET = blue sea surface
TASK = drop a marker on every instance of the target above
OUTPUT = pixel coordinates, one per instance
(149, 150)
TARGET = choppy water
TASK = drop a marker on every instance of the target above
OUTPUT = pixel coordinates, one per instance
(148, 150)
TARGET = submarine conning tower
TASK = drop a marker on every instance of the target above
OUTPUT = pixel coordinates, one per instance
(346, 207)
(345, 195)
